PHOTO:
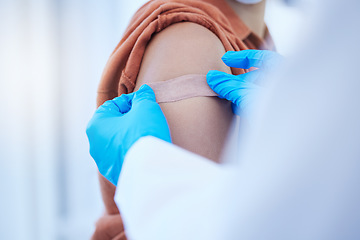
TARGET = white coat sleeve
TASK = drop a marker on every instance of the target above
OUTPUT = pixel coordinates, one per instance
(299, 174)
(159, 188)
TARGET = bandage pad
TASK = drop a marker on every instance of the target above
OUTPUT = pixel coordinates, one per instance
(180, 88)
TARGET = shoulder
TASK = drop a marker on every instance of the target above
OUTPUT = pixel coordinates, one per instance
(180, 49)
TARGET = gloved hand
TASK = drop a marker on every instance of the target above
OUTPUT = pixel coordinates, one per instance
(119, 123)
(243, 89)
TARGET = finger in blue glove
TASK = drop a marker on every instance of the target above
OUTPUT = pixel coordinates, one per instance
(242, 89)
(246, 59)
(119, 123)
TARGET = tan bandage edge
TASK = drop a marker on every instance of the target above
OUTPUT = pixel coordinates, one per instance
(180, 88)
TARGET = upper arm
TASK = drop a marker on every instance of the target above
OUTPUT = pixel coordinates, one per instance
(198, 124)
(180, 49)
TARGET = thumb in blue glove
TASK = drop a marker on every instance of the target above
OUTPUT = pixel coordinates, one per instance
(243, 89)
(119, 123)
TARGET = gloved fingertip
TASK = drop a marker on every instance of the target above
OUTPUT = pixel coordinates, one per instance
(231, 59)
(228, 54)
(212, 74)
(145, 92)
(145, 88)
(215, 76)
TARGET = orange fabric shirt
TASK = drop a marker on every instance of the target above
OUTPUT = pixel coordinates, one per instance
(122, 68)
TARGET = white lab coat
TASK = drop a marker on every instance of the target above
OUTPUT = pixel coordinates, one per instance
(298, 172)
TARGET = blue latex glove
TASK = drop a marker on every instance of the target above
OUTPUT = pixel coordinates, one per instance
(243, 89)
(119, 123)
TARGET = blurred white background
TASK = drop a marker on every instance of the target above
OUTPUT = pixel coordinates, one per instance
(52, 53)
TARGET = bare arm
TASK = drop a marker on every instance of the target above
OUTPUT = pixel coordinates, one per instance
(197, 124)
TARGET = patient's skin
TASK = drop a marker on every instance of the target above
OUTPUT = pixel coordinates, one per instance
(197, 124)
(108, 193)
